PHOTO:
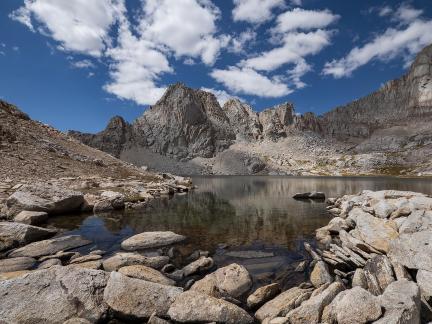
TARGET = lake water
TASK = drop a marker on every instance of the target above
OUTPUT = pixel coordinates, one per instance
(251, 220)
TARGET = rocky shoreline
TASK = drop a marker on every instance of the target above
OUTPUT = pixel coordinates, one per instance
(372, 265)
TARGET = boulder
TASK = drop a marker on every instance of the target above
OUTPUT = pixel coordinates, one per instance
(230, 281)
(262, 295)
(85, 258)
(355, 305)
(283, 303)
(146, 273)
(419, 220)
(413, 250)
(401, 303)
(311, 310)
(379, 274)
(31, 217)
(23, 233)
(138, 299)
(45, 198)
(375, 231)
(200, 265)
(121, 259)
(49, 263)
(424, 281)
(51, 246)
(359, 279)
(320, 274)
(16, 264)
(149, 240)
(53, 296)
(337, 224)
(383, 209)
(95, 265)
(192, 306)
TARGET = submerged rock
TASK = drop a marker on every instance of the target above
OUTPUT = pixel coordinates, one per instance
(192, 306)
(53, 296)
(149, 240)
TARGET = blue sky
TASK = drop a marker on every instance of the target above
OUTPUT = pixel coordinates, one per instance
(74, 64)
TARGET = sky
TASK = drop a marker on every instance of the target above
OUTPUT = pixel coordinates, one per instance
(74, 64)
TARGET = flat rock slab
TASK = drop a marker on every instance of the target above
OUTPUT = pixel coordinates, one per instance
(136, 298)
(51, 246)
(148, 240)
(413, 250)
(16, 264)
(195, 307)
(53, 296)
(120, 260)
(45, 198)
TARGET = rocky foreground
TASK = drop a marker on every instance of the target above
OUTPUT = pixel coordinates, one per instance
(374, 265)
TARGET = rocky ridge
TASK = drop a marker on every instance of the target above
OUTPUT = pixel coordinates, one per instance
(387, 132)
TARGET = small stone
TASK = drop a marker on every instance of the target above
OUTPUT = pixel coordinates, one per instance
(121, 259)
(320, 274)
(146, 273)
(93, 265)
(49, 263)
(86, 258)
(200, 265)
(263, 295)
(359, 279)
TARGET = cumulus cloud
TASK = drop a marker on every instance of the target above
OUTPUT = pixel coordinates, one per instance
(254, 11)
(404, 41)
(186, 27)
(83, 64)
(79, 25)
(304, 19)
(248, 81)
(295, 47)
(239, 43)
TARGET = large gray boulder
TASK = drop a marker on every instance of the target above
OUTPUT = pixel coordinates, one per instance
(148, 240)
(355, 305)
(230, 281)
(413, 250)
(121, 259)
(44, 198)
(379, 274)
(283, 303)
(16, 264)
(375, 231)
(135, 298)
(51, 246)
(195, 307)
(401, 303)
(311, 310)
(53, 296)
(20, 234)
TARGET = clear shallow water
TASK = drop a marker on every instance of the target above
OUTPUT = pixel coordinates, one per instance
(246, 213)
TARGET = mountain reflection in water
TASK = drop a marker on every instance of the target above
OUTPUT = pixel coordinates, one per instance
(251, 213)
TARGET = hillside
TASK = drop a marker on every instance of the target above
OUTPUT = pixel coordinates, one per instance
(187, 131)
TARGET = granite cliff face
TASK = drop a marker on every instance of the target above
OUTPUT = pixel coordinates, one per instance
(187, 131)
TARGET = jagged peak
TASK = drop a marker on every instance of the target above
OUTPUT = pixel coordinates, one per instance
(117, 122)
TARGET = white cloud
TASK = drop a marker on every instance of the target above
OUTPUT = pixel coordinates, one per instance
(248, 81)
(254, 11)
(136, 67)
(296, 2)
(304, 19)
(186, 27)
(221, 95)
(384, 11)
(240, 42)
(83, 64)
(189, 61)
(79, 25)
(405, 42)
(406, 14)
(295, 47)
(295, 74)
